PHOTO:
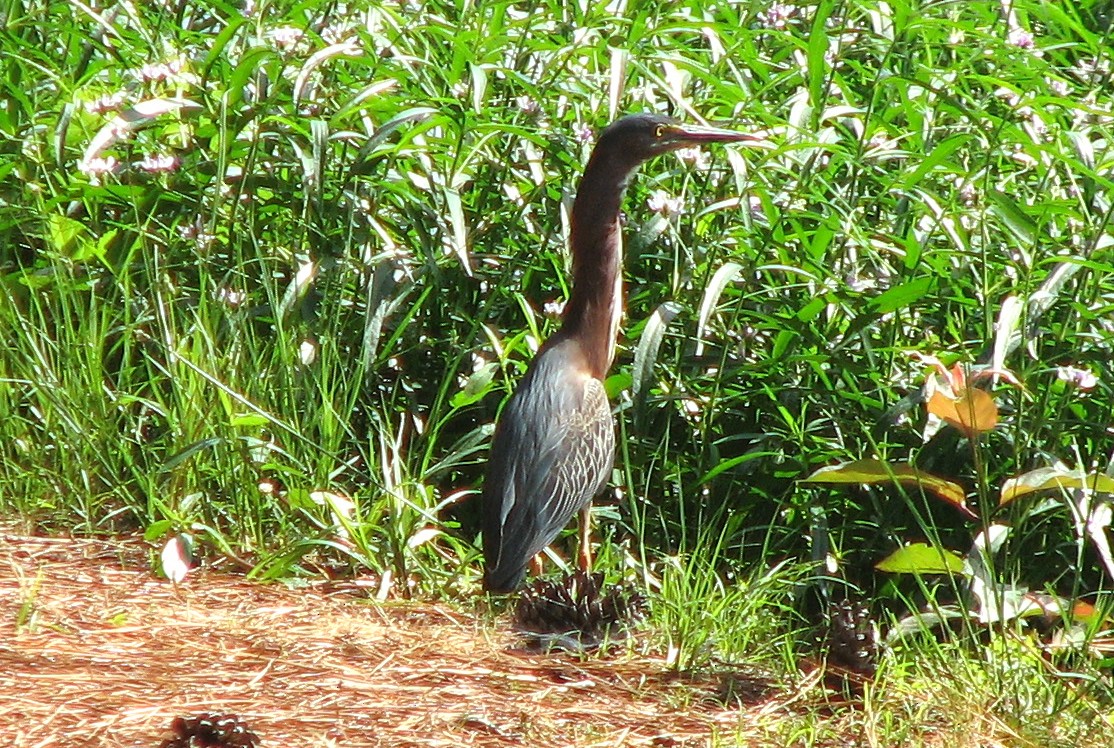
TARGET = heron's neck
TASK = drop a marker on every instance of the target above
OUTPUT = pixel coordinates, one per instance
(596, 303)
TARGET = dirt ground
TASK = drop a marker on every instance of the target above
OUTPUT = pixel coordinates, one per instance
(97, 651)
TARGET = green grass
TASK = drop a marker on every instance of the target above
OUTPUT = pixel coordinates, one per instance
(948, 699)
(346, 271)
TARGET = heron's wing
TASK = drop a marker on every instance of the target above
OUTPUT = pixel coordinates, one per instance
(579, 462)
(553, 451)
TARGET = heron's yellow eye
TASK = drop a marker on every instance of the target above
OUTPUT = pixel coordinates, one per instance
(660, 131)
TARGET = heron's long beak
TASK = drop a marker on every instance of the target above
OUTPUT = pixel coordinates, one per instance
(693, 135)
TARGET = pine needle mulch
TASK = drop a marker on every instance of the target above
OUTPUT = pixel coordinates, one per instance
(98, 652)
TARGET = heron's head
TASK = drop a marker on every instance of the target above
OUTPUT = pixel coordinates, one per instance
(638, 137)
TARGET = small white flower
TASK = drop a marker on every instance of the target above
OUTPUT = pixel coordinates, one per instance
(968, 193)
(776, 16)
(196, 232)
(756, 208)
(231, 297)
(661, 202)
(95, 168)
(528, 105)
(32, 146)
(859, 283)
(1090, 69)
(1084, 379)
(1021, 39)
(553, 309)
(1008, 95)
(186, 78)
(105, 103)
(695, 157)
(335, 33)
(157, 163)
(1059, 87)
(1036, 127)
(98, 165)
(882, 148)
(173, 72)
(285, 37)
(154, 72)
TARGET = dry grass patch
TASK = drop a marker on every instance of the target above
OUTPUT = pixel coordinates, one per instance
(102, 653)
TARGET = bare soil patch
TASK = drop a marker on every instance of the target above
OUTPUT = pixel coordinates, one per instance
(99, 652)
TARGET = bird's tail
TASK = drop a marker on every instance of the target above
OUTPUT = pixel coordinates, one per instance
(503, 579)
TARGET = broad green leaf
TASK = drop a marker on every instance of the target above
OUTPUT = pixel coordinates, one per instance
(64, 233)
(177, 459)
(646, 353)
(719, 281)
(1045, 479)
(616, 383)
(781, 344)
(728, 464)
(817, 52)
(1016, 219)
(921, 558)
(217, 44)
(871, 472)
(939, 154)
(901, 296)
(459, 235)
(157, 529)
(821, 240)
(812, 309)
(249, 420)
(478, 385)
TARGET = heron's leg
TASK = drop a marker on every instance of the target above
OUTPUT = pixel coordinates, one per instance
(585, 555)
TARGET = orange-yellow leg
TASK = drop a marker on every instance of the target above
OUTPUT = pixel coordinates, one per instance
(584, 550)
(585, 535)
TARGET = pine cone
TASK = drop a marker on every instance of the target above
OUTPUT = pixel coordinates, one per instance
(852, 640)
(575, 612)
(209, 731)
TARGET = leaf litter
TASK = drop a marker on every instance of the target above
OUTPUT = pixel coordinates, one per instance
(100, 652)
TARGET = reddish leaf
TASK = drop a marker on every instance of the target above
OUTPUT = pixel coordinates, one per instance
(972, 411)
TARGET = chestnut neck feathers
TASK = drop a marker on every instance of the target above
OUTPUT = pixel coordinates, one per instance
(595, 305)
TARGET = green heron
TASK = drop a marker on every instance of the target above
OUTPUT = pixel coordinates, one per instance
(554, 445)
